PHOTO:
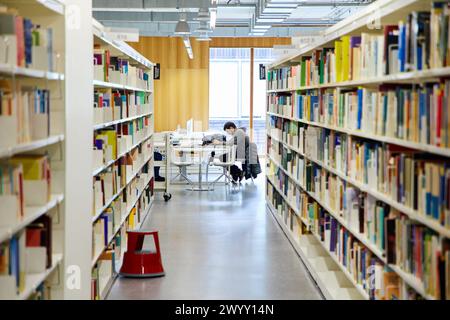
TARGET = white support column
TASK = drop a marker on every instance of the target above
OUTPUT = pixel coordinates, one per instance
(79, 135)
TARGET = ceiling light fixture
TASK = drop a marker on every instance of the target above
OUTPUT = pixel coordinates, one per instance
(182, 27)
(203, 27)
(203, 15)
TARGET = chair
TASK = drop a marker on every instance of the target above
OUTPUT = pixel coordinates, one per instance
(182, 160)
(217, 162)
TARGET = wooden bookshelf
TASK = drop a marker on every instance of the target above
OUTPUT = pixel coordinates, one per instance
(139, 181)
(390, 12)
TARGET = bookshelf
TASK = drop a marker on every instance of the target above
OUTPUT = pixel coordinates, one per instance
(123, 166)
(35, 216)
(358, 152)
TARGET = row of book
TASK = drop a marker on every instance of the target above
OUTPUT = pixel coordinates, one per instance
(102, 274)
(108, 183)
(110, 143)
(362, 213)
(25, 181)
(24, 113)
(127, 206)
(119, 70)
(111, 106)
(25, 43)
(416, 180)
(401, 239)
(108, 264)
(378, 282)
(418, 42)
(26, 253)
(411, 113)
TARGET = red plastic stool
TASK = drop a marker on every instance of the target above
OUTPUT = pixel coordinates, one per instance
(139, 263)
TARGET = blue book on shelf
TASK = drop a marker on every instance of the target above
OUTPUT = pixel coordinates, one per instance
(330, 106)
(360, 106)
(314, 104)
(402, 47)
(366, 160)
(28, 39)
(14, 263)
(429, 205)
(104, 217)
(429, 93)
(302, 107)
(333, 234)
(435, 206)
(419, 57)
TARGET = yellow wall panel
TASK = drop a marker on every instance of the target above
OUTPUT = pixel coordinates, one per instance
(182, 92)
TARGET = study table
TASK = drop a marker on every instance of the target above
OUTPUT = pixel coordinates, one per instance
(203, 154)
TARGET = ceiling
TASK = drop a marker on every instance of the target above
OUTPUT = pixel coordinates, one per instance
(235, 18)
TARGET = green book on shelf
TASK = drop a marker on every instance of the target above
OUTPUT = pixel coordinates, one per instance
(303, 74)
(322, 66)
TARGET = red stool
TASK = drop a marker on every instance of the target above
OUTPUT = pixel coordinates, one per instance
(139, 263)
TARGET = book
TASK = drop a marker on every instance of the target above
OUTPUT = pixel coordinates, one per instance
(39, 234)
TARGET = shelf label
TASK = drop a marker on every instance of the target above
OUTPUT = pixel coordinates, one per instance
(120, 34)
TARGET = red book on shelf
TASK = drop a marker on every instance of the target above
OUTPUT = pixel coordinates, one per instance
(33, 237)
(418, 243)
(439, 98)
(107, 64)
(20, 42)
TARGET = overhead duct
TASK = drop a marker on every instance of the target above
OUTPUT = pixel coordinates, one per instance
(269, 12)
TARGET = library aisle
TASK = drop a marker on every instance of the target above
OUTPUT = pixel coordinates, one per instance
(220, 245)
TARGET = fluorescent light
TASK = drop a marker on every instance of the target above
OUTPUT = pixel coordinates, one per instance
(187, 44)
(190, 53)
(212, 22)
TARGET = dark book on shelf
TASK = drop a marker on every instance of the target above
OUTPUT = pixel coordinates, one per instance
(390, 240)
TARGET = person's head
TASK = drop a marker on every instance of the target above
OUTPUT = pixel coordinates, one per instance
(229, 127)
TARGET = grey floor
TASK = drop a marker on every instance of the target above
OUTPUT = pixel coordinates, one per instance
(220, 245)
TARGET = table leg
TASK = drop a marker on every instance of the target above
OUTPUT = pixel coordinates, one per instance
(200, 185)
(200, 175)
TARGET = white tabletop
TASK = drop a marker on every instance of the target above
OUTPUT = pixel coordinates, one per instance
(202, 152)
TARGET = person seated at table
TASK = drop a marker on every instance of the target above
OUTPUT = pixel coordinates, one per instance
(238, 138)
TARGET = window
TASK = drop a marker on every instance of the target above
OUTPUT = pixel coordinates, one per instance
(229, 83)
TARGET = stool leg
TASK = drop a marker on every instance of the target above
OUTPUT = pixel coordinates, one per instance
(156, 240)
